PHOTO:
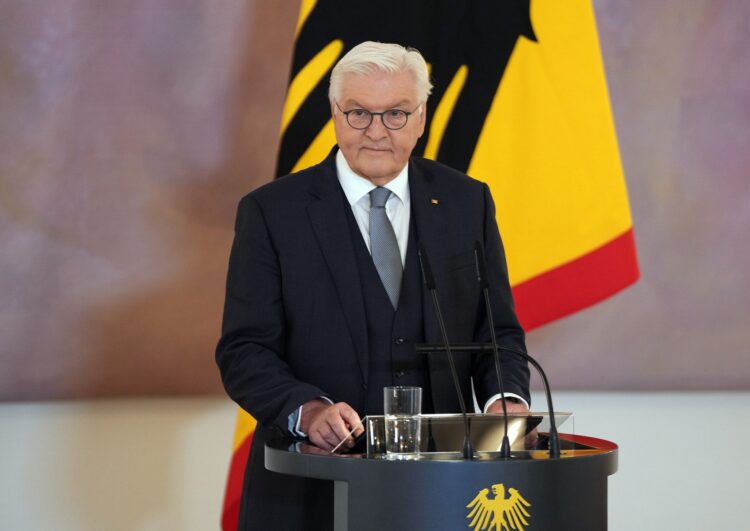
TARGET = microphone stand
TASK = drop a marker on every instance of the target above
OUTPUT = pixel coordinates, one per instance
(429, 282)
(484, 285)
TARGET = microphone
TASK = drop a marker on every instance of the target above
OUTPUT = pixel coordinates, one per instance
(429, 283)
(484, 285)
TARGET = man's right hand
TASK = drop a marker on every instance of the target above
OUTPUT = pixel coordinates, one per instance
(328, 424)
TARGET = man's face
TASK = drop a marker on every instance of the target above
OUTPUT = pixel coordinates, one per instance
(378, 153)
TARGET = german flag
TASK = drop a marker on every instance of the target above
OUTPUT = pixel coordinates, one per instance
(520, 102)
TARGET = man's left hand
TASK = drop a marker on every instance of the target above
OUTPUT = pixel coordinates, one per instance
(512, 407)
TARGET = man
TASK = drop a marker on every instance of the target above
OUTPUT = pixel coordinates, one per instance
(324, 298)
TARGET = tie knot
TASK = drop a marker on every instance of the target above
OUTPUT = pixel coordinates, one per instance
(379, 196)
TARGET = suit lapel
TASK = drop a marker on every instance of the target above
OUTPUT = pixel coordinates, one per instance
(428, 207)
(328, 219)
(430, 224)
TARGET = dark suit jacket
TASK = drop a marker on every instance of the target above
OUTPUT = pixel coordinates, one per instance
(294, 321)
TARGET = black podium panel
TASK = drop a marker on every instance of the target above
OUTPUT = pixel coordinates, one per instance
(530, 491)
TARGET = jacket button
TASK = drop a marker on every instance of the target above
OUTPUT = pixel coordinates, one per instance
(399, 341)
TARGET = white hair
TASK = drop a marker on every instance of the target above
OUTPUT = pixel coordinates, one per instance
(370, 57)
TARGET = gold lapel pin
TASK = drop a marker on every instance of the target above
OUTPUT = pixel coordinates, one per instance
(434, 201)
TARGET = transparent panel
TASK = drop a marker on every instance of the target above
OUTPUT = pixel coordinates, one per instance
(443, 434)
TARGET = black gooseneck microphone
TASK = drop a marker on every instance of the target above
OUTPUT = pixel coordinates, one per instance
(484, 286)
(429, 283)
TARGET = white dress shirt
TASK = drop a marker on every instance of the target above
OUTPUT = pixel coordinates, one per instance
(398, 207)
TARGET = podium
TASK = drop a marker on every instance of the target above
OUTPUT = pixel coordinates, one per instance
(439, 491)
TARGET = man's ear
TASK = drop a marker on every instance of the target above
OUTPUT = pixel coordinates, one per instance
(422, 118)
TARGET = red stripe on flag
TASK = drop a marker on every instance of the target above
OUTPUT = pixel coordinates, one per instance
(577, 284)
(230, 512)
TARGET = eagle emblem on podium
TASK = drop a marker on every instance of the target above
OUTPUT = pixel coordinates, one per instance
(498, 513)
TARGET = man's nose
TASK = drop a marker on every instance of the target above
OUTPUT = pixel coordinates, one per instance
(376, 130)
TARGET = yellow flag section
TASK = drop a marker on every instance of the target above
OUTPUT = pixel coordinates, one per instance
(548, 151)
(299, 89)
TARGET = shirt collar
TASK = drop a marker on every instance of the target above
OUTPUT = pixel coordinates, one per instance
(356, 187)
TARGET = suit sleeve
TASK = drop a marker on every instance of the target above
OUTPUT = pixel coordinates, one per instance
(507, 328)
(251, 351)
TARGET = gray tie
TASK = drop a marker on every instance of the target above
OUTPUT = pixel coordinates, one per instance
(384, 246)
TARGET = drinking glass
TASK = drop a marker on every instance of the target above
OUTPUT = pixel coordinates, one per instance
(402, 406)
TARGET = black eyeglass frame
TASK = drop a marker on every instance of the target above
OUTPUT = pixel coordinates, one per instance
(373, 114)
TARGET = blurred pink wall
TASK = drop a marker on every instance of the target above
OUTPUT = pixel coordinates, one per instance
(129, 130)
(678, 73)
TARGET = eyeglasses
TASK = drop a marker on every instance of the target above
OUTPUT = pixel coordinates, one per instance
(393, 119)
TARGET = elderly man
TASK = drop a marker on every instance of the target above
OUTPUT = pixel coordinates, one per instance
(324, 299)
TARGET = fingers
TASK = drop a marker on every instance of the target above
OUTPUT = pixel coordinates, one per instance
(352, 420)
(323, 438)
(332, 424)
(531, 439)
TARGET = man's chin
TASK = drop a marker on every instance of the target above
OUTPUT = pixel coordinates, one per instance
(376, 169)
(376, 157)
(379, 175)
